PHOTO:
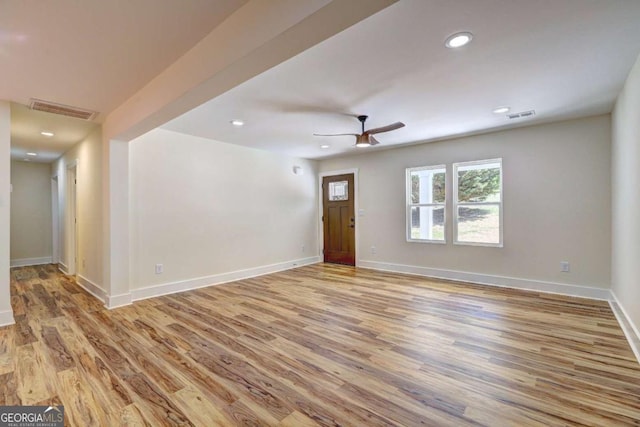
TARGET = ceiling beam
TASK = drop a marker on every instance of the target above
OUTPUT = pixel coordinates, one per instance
(257, 37)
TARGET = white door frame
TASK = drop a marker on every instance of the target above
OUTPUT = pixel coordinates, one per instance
(321, 175)
(55, 221)
(71, 217)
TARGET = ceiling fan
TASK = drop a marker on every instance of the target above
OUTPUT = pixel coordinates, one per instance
(366, 138)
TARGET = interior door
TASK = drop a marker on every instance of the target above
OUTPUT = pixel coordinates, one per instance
(339, 221)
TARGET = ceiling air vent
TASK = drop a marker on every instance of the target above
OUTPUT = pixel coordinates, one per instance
(64, 110)
(522, 114)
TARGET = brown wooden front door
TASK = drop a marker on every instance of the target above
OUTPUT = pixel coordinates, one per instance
(339, 221)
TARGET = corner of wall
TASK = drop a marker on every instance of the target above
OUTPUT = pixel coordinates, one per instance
(6, 313)
(628, 328)
(625, 202)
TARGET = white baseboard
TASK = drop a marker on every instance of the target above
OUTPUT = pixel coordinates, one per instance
(91, 287)
(63, 268)
(115, 301)
(6, 318)
(486, 279)
(110, 301)
(630, 330)
(217, 279)
(23, 262)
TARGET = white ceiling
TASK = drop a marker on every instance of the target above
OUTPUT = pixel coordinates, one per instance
(562, 58)
(92, 54)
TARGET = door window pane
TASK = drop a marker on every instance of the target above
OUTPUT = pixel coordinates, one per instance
(338, 191)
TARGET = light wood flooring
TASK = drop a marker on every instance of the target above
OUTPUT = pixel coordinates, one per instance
(320, 345)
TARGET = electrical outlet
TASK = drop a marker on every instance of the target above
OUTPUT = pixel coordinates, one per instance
(564, 266)
(159, 268)
(302, 248)
(84, 263)
(373, 250)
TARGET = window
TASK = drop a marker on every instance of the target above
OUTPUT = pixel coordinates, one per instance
(425, 204)
(477, 203)
(338, 191)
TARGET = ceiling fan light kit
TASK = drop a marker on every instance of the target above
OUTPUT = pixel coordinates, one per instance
(362, 142)
(366, 138)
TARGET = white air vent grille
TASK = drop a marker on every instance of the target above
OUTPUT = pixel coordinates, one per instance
(522, 114)
(64, 110)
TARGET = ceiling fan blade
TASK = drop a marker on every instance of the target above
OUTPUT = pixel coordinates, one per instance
(335, 134)
(393, 126)
(373, 140)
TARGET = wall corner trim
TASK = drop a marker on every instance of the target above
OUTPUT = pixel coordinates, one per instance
(630, 330)
(6, 318)
(63, 268)
(218, 279)
(91, 287)
(110, 301)
(115, 301)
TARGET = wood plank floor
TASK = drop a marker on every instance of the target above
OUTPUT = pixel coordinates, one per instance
(319, 345)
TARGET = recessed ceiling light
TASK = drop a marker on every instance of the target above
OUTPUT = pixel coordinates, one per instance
(46, 133)
(324, 146)
(237, 122)
(458, 40)
(26, 160)
(501, 110)
(32, 154)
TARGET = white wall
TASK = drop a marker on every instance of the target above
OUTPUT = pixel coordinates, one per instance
(226, 57)
(88, 155)
(204, 208)
(556, 206)
(626, 198)
(6, 313)
(31, 233)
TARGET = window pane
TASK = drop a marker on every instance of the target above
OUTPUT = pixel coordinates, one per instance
(427, 186)
(479, 183)
(427, 223)
(338, 190)
(479, 224)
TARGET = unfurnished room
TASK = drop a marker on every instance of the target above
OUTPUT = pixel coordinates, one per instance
(320, 213)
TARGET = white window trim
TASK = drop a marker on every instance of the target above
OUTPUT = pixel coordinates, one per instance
(455, 204)
(409, 205)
